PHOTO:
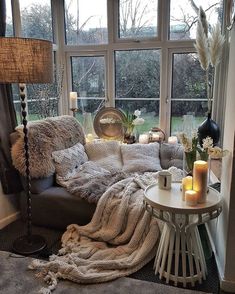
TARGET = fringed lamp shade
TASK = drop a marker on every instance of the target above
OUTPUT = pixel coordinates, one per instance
(25, 61)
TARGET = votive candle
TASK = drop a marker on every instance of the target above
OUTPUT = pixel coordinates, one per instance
(173, 140)
(191, 197)
(200, 172)
(73, 96)
(187, 184)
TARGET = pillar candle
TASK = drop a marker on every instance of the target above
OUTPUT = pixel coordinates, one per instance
(187, 184)
(73, 99)
(172, 140)
(191, 197)
(143, 139)
(200, 171)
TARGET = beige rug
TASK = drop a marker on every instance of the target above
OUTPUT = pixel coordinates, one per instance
(16, 278)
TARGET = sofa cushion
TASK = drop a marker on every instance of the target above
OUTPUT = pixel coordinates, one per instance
(68, 161)
(140, 157)
(171, 155)
(106, 154)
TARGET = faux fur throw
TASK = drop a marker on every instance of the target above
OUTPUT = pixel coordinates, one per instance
(91, 181)
(45, 136)
(120, 239)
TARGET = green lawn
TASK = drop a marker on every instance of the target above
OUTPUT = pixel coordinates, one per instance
(150, 122)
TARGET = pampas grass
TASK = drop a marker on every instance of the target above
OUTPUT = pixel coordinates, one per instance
(209, 49)
(202, 46)
(216, 42)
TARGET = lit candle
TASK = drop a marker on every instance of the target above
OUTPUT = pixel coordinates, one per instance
(187, 184)
(200, 171)
(155, 137)
(191, 197)
(89, 138)
(143, 139)
(173, 140)
(73, 100)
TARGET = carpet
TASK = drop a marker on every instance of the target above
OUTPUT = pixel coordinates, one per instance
(52, 236)
(16, 278)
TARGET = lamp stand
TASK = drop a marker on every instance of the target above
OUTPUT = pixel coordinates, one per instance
(27, 244)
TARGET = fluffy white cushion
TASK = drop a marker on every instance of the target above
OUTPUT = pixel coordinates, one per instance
(140, 157)
(106, 154)
(68, 161)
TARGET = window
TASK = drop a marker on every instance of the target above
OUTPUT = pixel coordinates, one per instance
(183, 16)
(9, 24)
(88, 79)
(131, 54)
(86, 22)
(138, 18)
(36, 19)
(137, 79)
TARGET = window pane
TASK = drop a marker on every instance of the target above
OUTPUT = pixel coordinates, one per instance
(88, 80)
(183, 16)
(86, 22)
(149, 111)
(36, 19)
(9, 25)
(137, 73)
(138, 18)
(188, 79)
(181, 108)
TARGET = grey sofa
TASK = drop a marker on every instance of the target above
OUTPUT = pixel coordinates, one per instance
(53, 206)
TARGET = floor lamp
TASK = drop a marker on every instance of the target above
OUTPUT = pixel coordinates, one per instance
(26, 61)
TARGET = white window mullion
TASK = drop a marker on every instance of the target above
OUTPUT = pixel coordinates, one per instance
(59, 38)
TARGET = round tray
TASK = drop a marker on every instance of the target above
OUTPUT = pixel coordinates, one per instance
(108, 123)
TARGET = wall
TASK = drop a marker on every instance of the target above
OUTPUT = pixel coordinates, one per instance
(8, 208)
(223, 230)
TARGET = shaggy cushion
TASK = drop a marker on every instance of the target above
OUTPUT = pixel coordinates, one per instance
(68, 161)
(107, 154)
(140, 157)
(171, 155)
(45, 136)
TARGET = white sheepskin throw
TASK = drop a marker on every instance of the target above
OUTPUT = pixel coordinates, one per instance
(46, 136)
(120, 239)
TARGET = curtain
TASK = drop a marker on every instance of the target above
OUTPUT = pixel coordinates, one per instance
(8, 175)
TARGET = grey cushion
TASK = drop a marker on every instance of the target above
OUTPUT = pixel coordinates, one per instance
(171, 155)
(140, 157)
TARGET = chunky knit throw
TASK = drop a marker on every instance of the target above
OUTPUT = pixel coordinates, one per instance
(120, 239)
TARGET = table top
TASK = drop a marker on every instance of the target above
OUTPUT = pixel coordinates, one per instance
(171, 200)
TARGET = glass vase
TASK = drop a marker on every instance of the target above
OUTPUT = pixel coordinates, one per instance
(129, 136)
(188, 161)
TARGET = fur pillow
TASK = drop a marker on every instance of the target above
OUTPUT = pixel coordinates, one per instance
(106, 154)
(140, 157)
(68, 161)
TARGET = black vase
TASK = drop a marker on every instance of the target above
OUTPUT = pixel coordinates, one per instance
(209, 128)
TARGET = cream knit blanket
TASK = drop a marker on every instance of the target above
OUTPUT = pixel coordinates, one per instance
(120, 239)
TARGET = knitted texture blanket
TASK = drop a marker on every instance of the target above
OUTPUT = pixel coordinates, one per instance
(120, 239)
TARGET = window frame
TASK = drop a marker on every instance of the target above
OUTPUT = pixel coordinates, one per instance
(168, 48)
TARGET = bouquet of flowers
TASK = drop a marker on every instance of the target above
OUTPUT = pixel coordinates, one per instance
(192, 147)
(129, 122)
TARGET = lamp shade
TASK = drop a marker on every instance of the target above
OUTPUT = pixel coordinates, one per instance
(24, 60)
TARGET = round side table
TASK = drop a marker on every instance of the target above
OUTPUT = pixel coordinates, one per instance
(180, 242)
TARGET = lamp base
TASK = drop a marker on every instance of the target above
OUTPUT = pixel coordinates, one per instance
(26, 245)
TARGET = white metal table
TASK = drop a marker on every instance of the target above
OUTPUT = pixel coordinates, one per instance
(180, 242)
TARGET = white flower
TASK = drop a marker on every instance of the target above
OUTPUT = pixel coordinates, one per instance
(137, 112)
(138, 121)
(207, 143)
(216, 152)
